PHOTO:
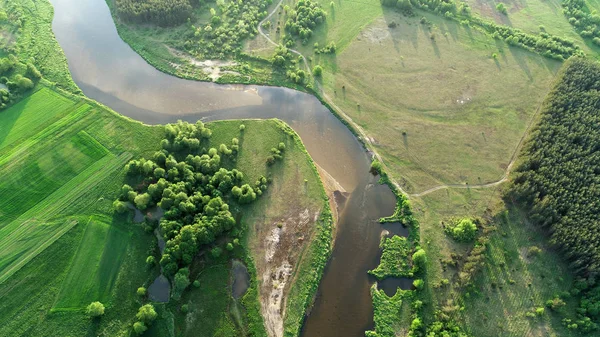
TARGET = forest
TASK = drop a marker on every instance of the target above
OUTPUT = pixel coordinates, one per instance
(160, 12)
(557, 179)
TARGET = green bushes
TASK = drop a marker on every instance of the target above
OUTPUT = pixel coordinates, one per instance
(463, 230)
(146, 315)
(394, 259)
(500, 7)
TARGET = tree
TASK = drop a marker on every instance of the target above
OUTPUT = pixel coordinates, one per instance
(119, 206)
(181, 282)
(418, 283)
(146, 314)
(419, 259)
(95, 309)
(501, 8)
(139, 327)
(142, 201)
(317, 71)
(150, 261)
(462, 230)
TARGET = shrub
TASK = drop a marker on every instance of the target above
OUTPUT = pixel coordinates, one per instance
(317, 71)
(462, 230)
(95, 309)
(196, 284)
(150, 260)
(418, 283)
(242, 127)
(141, 291)
(501, 8)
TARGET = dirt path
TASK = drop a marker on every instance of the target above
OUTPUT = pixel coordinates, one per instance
(369, 141)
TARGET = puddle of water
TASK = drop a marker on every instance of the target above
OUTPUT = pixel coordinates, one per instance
(241, 279)
(160, 289)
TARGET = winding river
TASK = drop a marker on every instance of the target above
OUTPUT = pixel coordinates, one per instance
(109, 71)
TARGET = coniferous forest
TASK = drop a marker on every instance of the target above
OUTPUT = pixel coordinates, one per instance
(557, 181)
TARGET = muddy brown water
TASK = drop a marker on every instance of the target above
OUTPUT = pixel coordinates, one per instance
(109, 71)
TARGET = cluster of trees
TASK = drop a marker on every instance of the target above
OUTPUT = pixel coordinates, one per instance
(17, 77)
(160, 12)
(586, 23)
(145, 316)
(304, 18)
(190, 181)
(544, 44)
(328, 49)
(224, 34)
(558, 179)
(463, 230)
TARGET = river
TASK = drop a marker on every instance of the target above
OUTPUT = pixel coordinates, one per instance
(109, 71)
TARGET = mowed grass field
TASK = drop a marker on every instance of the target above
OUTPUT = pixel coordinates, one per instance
(96, 264)
(62, 161)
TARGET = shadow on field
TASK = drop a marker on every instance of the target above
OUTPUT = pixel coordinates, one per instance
(9, 117)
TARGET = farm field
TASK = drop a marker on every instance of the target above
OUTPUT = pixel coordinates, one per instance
(95, 266)
(66, 210)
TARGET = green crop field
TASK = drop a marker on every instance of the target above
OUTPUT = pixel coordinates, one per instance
(95, 266)
(32, 115)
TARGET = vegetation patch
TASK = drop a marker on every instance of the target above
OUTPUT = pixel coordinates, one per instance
(395, 261)
(558, 174)
(388, 311)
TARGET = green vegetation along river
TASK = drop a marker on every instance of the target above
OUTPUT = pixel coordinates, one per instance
(109, 71)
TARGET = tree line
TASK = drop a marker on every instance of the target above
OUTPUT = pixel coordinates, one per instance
(160, 12)
(545, 44)
(558, 181)
(585, 22)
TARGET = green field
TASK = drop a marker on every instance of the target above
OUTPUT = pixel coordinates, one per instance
(96, 264)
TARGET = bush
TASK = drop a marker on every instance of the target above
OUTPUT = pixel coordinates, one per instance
(501, 8)
(95, 309)
(463, 230)
(318, 70)
(197, 284)
(418, 283)
(150, 260)
(141, 291)
(375, 167)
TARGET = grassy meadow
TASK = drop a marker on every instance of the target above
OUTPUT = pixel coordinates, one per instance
(534, 16)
